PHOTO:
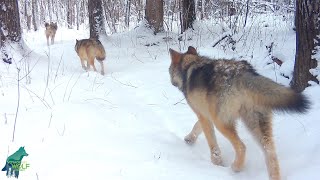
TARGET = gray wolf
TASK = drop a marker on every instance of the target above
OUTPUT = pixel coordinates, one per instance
(220, 91)
(13, 162)
(50, 31)
(88, 50)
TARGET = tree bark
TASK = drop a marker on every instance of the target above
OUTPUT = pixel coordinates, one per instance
(69, 14)
(50, 10)
(128, 8)
(96, 19)
(307, 29)
(154, 14)
(188, 15)
(34, 14)
(10, 21)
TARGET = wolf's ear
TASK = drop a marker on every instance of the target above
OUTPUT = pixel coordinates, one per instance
(77, 40)
(192, 50)
(175, 56)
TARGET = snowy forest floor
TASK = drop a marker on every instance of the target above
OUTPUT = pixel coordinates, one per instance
(130, 123)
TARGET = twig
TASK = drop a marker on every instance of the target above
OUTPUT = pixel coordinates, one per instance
(165, 95)
(67, 87)
(50, 121)
(64, 128)
(29, 71)
(5, 117)
(99, 99)
(18, 105)
(179, 101)
(214, 45)
(44, 102)
(134, 55)
(130, 85)
(55, 77)
(48, 74)
(73, 86)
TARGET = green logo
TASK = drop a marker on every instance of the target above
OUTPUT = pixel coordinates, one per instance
(14, 163)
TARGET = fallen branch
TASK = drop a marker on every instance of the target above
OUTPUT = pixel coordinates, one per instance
(215, 44)
(130, 85)
(179, 101)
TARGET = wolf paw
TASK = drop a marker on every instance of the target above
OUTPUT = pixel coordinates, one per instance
(236, 167)
(190, 139)
(216, 157)
(217, 160)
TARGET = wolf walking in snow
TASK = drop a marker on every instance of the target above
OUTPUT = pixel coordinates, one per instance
(88, 50)
(50, 31)
(220, 91)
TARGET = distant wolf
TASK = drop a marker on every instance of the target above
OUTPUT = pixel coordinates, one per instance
(88, 50)
(220, 91)
(13, 162)
(50, 31)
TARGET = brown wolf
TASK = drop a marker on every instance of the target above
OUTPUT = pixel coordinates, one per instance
(220, 91)
(87, 50)
(50, 31)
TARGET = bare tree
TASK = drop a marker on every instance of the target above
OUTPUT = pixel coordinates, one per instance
(34, 14)
(154, 14)
(128, 8)
(70, 13)
(96, 19)
(10, 21)
(307, 38)
(188, 15)
(50, 10)
(28, 13)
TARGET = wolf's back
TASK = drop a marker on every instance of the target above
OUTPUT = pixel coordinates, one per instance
(268, 93)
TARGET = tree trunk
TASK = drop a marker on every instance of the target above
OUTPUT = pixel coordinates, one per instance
(154, 14)
(308, 27)
(10, 21)
(27, 13)
(127, 18)
(34, 14)
(42, 12)
(49, 10)
(188, 15)
(69, 14)
(77, 15)
(96, 19)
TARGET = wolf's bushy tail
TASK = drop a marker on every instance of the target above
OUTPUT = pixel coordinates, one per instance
(100, 53)
(268, 93)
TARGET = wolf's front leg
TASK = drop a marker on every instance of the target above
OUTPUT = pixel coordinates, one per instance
(48, 41)
(52, 39)
(209, 133)
(192, 137)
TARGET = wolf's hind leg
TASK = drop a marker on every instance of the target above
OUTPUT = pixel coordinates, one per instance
(260, 125)
(91, 62)
(82, 64)
(52, 39)
(229, 131)
(102, 67)
(192, 137)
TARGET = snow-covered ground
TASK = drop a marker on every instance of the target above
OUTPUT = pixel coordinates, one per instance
(130, 123)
